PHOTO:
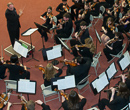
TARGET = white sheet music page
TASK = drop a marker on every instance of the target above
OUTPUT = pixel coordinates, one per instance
(111, 70)
(30, 31)
(26, 87)
(101, 82)
(125, 61)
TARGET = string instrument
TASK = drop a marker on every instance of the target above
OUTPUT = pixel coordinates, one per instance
(62, 94)
(119, 76)
(84, 45)
(112, 41)
(69, 63)
(111, 27)
(128, 2)
(50, 16)
(125, 18)
(24, 102)
(66, 7)
(93, 5)
(40, 68)
(4, 99)
(84, 13)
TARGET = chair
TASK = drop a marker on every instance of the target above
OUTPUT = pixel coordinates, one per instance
(11, 84)
(96, 63)
(100, 16)
(46, 91)
(84, 82)
(70, 37)
(93, 108)
(127, 107)
(120, 53)
(90, 26)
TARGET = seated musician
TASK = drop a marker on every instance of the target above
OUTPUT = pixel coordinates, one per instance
(117, 100)
(65, 28)
(50, 72)
(87, 50)
(81, 70)
(107, 3)
(49, 22)
(62, 8)
(108, 29)
(16, 71)
(95, 7)
(113, 46)
(2, 69)
(125, 6)
(81, 35)
(75, 101)
(125, 21)
(83, 16)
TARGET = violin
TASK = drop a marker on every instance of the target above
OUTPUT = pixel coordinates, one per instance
(84, 45)
(93, 5)
(112, 41)
(66, 8)
(40, 68)
(4, 99)
(49, 15)
(62, 94)
(111, 27)
(69, 63)
(24, 102)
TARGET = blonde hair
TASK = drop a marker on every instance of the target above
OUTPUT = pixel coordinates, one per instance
(49, 71)
(10, 3)
(89, 44)
(110, 19)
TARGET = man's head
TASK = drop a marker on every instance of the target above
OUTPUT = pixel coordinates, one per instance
(30, 105)
(10, 6)
(66, 16)
(83, 25)
(79, 60)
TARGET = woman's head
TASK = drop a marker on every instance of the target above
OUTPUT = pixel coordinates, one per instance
(109, 21)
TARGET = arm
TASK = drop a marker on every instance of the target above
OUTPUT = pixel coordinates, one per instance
(59, 73)
(9, 105)
(43, 16)
(58, 9)
(113, 93)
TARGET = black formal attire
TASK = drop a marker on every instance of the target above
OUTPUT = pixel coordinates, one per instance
(13, 25)
(126, 28)
(2, 70)
(80, 71)
(47, 24)
(95, 10)
(45, 107)
(127, 81)
(107, 3)
(82, 40)
(117, 47)
(81, 104)
(86, 19)
(117, 104)
(65, 32)
(48, 82)
(125, 9)
(15, 71)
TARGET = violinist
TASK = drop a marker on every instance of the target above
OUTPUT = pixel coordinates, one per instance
(65, 28)
(49, 22)
(81, 70)
(83, 16)
(113, 46)
(74, 102)
(16, 71)
(94, 7)
(50, 72)
(2, 69)
(108, 29)
(125, 21)
(80, 36)
(117, 100)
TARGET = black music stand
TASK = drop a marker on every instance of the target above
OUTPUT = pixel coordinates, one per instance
(42, 28)
(27, 33)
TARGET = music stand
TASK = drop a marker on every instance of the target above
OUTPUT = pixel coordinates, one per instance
(29, 32)
(42, 28)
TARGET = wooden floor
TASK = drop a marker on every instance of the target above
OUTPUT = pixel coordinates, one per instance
(33, 10)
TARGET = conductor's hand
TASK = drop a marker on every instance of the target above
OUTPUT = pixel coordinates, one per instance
(20, 12)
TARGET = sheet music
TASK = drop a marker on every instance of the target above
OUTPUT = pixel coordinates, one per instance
(58, 47)
(30, 31)
(125, 61)
(26, 86)
(111, 70)
(20, 49)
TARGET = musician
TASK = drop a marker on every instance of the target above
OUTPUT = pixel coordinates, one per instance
(88, 49)
(13, 24)
(125, 6)
(75, 101)
(117, 100)
(108, 29)
(113, 46)
(125, 21)
(16, 71)
(50, 72)
(83, 16)
(81, 70)
(2, 69)
(95, 8)
(48, 17)
(62, 8)
(65, 28)
(81, 35)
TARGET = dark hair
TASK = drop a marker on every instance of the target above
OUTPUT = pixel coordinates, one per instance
(64, 0)
(123, 90)
(67, 15)
(30, 105)
(49, 7)
(79, 60)
(117, 2)
(14, 59)
(119, 34)
(83, 23)
(73, 102)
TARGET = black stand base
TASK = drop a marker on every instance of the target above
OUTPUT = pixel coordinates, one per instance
(31, 59)
(41, 49)
(55, 62)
